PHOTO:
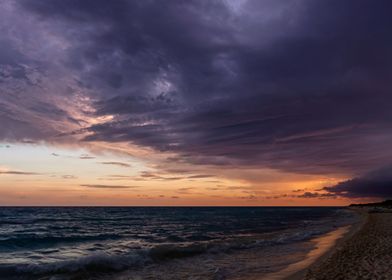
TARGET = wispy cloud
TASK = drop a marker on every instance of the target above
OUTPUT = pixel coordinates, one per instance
(185, 190)
(13, 172)
(28, 141)
(298, 190)
(249, 197)
(320, 195)
(147, 175)
(118, 178)
(306, 195)
(86, 156)
(69, 177)
(200, 176)
(117, 163)
(108, 186)
(236, 187)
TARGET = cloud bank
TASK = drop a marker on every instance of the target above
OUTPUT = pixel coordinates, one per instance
(376, 184)
(301, 86)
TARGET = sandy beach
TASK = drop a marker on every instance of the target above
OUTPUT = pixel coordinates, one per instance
(367, 254)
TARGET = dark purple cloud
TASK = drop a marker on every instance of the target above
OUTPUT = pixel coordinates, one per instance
(302, 86)
(376, 184)
(317, 195)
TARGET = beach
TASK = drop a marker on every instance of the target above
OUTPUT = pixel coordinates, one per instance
(323, 245)
(367, 254)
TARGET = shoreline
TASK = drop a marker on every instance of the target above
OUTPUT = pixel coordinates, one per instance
(367, 255)
(326, 245)
(354, 229)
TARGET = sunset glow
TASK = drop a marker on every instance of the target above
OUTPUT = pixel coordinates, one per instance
(47, 174)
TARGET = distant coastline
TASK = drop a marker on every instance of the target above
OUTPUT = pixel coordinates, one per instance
(384, 204)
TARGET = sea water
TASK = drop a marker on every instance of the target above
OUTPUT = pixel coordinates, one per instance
(158, 242)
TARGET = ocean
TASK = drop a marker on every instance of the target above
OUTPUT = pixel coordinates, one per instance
(158, 242)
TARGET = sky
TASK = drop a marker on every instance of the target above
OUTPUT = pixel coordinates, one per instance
(242, 102)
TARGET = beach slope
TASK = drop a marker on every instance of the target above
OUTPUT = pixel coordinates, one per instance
(367, 255)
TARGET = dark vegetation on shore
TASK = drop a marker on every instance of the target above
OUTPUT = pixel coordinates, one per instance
(385, 204)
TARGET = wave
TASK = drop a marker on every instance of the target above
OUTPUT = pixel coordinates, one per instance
(124, 250)
(106, 263)
(98, 263)
(71, 220)
(37, 241)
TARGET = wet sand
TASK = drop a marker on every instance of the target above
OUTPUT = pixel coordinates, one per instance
(366, 255)
(325, 246)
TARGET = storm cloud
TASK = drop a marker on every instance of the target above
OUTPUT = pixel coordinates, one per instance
(376, 184)
(302, 86)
